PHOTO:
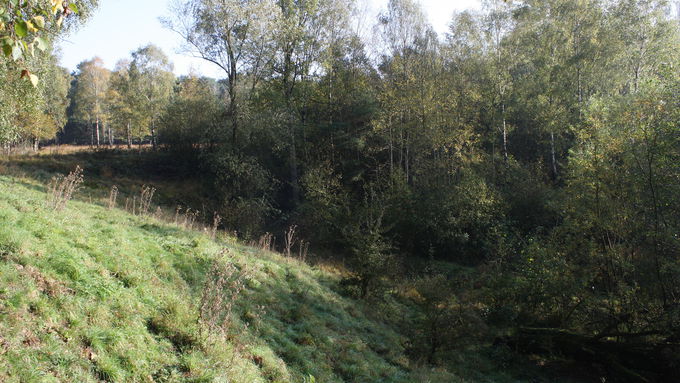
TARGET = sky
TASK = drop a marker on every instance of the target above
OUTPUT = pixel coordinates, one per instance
(121, 26)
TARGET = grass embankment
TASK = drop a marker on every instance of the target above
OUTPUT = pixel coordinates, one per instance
(90, 294)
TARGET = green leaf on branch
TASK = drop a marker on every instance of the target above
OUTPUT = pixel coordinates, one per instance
(17, 52)
(21, 29)
(73, 7)
(41, 43)
(7, 49)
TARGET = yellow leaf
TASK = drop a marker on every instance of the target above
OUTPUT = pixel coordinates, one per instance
(57, 6)
(39, 22)
(34, 79)
(31, 27)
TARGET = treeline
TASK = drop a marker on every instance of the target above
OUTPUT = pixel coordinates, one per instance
(538, 140)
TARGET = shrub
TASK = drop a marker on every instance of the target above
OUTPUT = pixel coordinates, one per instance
(371, 260)
(444, 320)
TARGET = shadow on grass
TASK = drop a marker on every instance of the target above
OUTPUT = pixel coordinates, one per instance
(162, 230)
(308, 326)
(177, 179)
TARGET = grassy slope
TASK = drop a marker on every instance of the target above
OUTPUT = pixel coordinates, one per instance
(89, 294)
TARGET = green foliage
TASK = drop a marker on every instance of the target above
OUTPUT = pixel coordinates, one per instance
(32, 112)
(442, 322)
(193, 115)
(89, 96)
(28, 25)
(372, 260)
(245, 191)
(151, 81)
(537, 143)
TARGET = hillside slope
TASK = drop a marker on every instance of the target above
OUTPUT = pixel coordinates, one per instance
(89, 294)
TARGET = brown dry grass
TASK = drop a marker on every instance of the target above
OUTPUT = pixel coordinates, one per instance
(71, 149)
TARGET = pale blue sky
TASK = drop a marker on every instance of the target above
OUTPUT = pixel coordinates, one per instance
(121, 26)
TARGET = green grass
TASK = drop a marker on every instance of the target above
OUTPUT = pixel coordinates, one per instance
(88, 295)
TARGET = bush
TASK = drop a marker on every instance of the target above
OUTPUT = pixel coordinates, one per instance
(244, 189)
(443, 320)
(371, 261)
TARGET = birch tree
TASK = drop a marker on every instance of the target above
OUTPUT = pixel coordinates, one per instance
(90, 95)
(151, 80)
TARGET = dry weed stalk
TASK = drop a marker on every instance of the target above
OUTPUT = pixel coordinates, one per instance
(266, 242)
(61, 188)
(145, 199)
(113, 196)
(190, 218)
(303, 250)
(289, 240)
(216, 224)
(222, 287)
(178, 211)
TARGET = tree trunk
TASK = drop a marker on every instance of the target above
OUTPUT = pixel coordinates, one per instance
(153, 134)
(233, 114)
(505, 136)
(580, 94)
(389, 122)
(288, 85)
(129, 136)
(294, 183)
(97, 133)
(407, 161)
(552, 154)
(36, 144)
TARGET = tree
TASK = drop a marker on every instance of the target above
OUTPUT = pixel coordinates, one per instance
(151, 80)
(33, 113)
(92, 83)
(556, 68)
(498, 24)
(645, 35)
(235, 35)
(121, 101)
(193, 115)
(409, 97)
(308, 28)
